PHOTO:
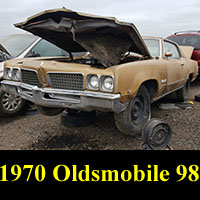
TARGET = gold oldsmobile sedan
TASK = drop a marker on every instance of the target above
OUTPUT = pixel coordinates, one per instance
(119, 71)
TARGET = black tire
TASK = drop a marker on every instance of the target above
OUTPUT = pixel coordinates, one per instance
(132, 120)
(11, 105)
(197, 97)
(156, 134)
(48, 111)
(183, 93)
(74, 118)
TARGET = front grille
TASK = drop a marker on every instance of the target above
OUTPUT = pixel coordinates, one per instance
(66, 81)
(30, 77)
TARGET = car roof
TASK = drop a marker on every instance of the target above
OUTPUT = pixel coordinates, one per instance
(152, 37)
(159, 38)
(189, 32)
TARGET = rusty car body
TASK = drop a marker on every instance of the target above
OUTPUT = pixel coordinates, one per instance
(121, 71)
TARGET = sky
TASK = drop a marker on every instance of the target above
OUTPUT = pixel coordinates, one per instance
(151, 17)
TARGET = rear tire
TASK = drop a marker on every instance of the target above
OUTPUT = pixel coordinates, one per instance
(183, 93)
(132, 120)
(49, 111)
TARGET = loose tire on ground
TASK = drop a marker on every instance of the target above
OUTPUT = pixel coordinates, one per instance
(49, 111)
(132, 120)
(156, 134)
(74, 118)
(11, 105)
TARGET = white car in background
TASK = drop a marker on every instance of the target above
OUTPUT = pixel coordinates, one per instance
(21, 46)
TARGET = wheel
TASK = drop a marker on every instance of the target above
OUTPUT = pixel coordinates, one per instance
(132, 120)
(156, 134)
(10, 104)
(75, 118)
(183, 93)
(49, 111)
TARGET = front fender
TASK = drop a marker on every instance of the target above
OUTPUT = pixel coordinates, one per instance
(129, 77)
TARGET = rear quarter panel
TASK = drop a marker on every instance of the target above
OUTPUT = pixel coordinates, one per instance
(193, 68)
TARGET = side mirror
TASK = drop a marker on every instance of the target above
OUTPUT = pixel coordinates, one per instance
(168, 54)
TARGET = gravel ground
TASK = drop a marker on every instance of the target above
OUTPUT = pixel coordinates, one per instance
(35, 131)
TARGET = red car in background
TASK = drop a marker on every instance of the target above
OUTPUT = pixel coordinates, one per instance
(188, 38)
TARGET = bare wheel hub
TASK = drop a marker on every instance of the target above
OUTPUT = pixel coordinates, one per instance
(137, 110)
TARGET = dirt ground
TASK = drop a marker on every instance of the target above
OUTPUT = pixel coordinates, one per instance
(38, 132)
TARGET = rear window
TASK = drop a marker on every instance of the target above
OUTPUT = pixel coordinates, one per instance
(187, 40)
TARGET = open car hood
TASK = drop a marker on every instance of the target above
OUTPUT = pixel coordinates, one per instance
(105, 38)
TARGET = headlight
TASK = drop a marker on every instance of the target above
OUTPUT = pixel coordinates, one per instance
(107, 83)
(8, 73)
(12, 74)
(16, 75)
(93, 82)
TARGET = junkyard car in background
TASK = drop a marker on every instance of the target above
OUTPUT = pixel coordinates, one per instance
(20, 46)
(188, 38)
(123, 73)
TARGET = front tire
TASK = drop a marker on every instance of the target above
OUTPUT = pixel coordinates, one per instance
(132, 120)
(10, 104)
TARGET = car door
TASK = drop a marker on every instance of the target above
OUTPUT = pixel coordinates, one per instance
(175, 66)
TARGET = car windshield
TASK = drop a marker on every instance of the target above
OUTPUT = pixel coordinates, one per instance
(187, 40)
(153, 46)
(17, 44)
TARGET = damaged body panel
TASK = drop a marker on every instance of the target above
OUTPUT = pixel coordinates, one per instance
(105, 38)
(122, 73)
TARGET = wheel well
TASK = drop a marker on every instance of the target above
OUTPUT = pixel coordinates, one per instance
(151, 86)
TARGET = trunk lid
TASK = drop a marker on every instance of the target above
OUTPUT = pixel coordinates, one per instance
(187, 51)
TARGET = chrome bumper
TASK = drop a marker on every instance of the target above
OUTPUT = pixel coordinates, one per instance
(57, 98)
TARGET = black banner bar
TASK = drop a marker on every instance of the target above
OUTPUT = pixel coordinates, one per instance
(100, 167)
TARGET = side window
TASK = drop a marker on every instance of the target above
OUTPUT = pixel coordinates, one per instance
(169, 47)
(46, 49)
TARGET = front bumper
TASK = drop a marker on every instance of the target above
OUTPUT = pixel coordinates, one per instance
(57, 98)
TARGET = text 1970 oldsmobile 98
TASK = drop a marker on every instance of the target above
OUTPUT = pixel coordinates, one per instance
(120, 71)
